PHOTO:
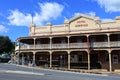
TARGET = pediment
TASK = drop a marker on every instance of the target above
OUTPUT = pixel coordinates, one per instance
(83, 21)
(83, 16)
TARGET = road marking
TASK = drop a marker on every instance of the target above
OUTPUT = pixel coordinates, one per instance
(91, 74)
(24, 72)
(1, 71)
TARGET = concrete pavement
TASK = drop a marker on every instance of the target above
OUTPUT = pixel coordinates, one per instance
(19, 72)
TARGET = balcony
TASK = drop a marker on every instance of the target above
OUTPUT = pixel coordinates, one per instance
(59, 46)
(115, 44)
(71, 45)
(42, 46)
(99, 44)
(25, 46)
(78, 45)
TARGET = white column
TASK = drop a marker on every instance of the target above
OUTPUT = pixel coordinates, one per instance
(108, 40)
(18, 58)
(68, 52)
(88, 44)
(18, 55)
(110, 59)
(50, 52)
(34, 43)
(68, 41)
(68, 60)
(23, 59)
(50, 42)
(88, 61)
(33, 62)
(50, 59)
(110, 62)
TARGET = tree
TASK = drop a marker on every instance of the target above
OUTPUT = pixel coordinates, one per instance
(5, 44)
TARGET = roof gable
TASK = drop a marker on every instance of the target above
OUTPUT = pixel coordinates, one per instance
(83, 21)
(83, 16)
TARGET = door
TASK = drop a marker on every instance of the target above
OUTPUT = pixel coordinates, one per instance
(94, 61)
(94, 58)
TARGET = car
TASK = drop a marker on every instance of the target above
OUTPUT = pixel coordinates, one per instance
(4, 58)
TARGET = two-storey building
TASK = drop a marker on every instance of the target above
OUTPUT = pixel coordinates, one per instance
(82, 42)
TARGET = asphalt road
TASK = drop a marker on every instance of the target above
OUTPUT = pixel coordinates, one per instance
(14, 72)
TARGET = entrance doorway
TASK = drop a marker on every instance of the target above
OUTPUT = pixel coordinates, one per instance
(94, 63)
(93, 58)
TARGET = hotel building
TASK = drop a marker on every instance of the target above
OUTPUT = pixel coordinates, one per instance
(82, 42)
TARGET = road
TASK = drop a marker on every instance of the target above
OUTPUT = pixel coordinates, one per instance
(14, 72)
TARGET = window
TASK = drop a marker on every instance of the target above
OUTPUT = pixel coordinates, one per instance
(118, 36)
(38, 42)
(63, 41)
(107, 57)
(79, 40)
(115, 59)
(80, 58)
(72, 58)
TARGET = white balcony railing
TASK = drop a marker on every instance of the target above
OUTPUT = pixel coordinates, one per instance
(59, 46)
(72, 45)
(99, 44)
(42, 46)
(78, 45)
(115, 44)
(27, 46)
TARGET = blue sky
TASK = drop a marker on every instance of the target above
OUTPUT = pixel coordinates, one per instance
(16, 15)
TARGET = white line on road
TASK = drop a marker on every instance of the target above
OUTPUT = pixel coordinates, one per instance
(92, 74)
(24, 72)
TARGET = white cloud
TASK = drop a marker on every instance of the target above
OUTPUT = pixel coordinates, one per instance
(3, 29)
(48, 11)
(76, 14)
(110, 5)
(107, 20)
(91, 13)
(19, 19)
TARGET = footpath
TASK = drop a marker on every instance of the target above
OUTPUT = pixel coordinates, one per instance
(92, 71)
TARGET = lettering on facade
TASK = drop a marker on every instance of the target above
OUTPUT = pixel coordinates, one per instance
(81, 24)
